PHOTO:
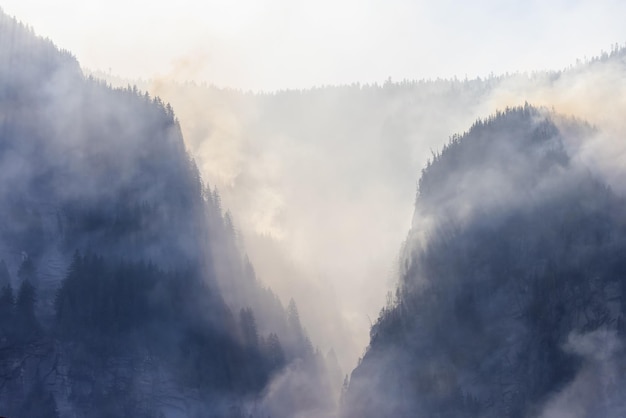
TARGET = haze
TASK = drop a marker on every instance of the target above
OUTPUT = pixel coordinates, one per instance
(278, 44)
(280, 180)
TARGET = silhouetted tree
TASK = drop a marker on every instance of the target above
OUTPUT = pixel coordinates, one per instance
(248, 327)
(28, 271)
(26, 324)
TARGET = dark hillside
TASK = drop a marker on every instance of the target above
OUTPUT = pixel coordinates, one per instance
(512, 278)
(115, 255)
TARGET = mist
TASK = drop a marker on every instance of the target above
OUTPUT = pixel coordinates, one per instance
(278, 44)
(509, 249)
(311, 191)
(124, 291)
(280, 181)
(320, 219)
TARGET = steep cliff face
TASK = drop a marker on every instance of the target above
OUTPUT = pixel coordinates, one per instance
(512, 281)
(123, 291)
(88, 168)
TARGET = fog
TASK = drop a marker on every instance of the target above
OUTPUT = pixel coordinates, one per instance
(323, 207)
(597, 389)
(123, 291)
(514, 237)
(593, 93)
(276, 44)
(321, 181)
(321, 185)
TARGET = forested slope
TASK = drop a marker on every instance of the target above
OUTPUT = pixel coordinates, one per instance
(124, 289)
(511, 295)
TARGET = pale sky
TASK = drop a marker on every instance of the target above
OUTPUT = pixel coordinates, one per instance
(273, 44)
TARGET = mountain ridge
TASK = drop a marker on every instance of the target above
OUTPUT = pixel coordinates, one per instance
(512, 256)
(125, 291)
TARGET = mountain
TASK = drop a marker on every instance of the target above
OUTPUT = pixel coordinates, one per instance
(512, 283)
(348, 155)
(124, 289)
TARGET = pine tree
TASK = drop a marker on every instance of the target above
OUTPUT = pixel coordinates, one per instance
(293, 317)
(7, 312)
(5, 277)
(248, 327)
(27, 270)
(26, 322)
(275, 353)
